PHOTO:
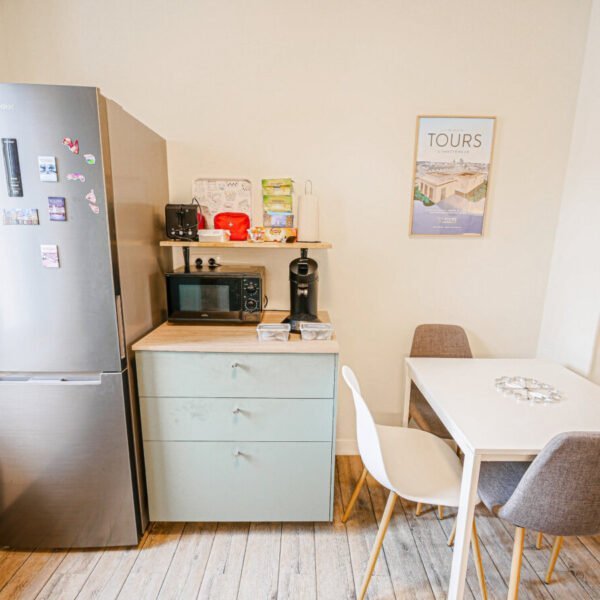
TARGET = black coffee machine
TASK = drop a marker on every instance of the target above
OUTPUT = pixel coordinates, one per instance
(304, 287)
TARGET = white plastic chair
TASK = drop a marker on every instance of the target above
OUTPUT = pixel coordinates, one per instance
(411, 463)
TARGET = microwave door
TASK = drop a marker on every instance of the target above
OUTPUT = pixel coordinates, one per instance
(200, 298)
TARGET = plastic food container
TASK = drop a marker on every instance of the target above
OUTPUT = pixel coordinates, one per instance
(273, 332)
(213, 235)
(316, 331)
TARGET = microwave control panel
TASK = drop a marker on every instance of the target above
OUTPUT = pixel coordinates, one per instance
(251, 294)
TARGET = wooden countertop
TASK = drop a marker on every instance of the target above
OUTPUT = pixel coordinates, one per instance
(171, 337)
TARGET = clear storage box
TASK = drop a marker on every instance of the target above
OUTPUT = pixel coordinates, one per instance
(273, 332)
(316, 331)
(213, 235)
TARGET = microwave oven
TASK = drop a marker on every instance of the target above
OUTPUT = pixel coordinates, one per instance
(220, 294)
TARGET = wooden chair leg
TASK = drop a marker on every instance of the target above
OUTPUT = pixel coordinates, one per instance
(478, 562)
(517, 559)
(554, 556)
(441, 512)
(385, 521)
(452, 534)
(539, 542)
(419, 509)
(354, 496)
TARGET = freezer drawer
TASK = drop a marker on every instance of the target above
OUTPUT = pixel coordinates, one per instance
(65, 471)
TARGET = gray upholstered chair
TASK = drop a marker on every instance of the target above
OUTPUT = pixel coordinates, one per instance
(557, 494)
(436, 341)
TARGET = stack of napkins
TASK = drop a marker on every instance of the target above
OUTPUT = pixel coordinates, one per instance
(277, 202)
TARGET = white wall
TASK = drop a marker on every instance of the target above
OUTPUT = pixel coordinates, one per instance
(330, 91)
(570, 330)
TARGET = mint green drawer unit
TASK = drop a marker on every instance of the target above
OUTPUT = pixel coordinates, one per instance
(239, 481)
(242, 419)
(232, 375)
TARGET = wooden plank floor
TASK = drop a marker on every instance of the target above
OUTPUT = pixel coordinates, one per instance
(303, 561)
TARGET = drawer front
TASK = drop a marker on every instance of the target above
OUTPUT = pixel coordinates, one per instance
(247, 419)
(245, 481)
(225, 375)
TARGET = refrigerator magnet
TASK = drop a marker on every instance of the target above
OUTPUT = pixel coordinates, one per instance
(72, 145)
(91, 197)
(94, 208)
(90, 159)
(47, 168)
(12, 167)
(20, 216)
(57, 209)
(76, 177)
(50, 256)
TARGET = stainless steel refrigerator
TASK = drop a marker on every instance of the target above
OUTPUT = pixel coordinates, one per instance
(80, 282)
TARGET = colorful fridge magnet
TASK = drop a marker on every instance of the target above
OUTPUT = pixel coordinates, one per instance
(12, 167)
(57, 208)
(91, 198)
(50, 256)
(47, 168)
(76, 177)
(73, 146)
(90, 159)
(20, 216)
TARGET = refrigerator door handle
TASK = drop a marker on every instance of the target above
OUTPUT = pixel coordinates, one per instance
(120, 326)
(50, 378)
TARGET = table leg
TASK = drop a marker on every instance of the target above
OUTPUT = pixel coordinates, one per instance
(464, 521)
(406, 401)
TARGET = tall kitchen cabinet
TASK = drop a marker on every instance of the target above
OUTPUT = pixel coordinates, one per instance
(235, 429)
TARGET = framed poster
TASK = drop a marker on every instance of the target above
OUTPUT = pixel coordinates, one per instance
(451, 175)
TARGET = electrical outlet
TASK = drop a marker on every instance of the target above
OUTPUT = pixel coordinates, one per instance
(206, 258)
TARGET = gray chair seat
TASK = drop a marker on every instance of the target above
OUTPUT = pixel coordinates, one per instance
(424, 416)
(498, 481)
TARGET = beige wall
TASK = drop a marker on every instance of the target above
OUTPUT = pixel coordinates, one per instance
(571, 326)
(329, 91)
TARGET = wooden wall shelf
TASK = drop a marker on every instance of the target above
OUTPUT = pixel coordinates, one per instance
(253, 245)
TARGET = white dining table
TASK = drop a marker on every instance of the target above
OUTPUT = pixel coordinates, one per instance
(489, 426)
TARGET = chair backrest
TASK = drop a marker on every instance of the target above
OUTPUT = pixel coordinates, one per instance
(366, 432)
(560, 492)
(438, 341)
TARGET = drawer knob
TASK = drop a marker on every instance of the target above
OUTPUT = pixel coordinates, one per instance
(237, 410)
(238, 452)
(235, 365)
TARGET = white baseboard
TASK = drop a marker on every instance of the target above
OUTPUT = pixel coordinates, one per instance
(346, 446)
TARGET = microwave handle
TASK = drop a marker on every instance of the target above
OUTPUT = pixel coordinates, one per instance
(266, 301)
